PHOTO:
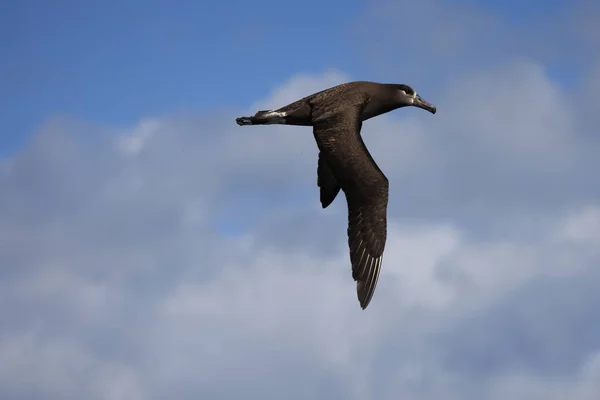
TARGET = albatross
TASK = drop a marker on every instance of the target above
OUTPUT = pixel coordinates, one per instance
(344, 162)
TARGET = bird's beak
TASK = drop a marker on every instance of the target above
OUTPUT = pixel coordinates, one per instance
(419, 102)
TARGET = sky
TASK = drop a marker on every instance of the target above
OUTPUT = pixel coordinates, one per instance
(150, 248)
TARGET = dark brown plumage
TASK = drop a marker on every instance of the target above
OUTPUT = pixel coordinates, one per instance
(336, 115)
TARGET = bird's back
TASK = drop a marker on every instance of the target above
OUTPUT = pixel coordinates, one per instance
(339, 91)
(381, 97)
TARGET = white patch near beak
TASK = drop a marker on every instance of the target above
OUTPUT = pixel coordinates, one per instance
(413, 97)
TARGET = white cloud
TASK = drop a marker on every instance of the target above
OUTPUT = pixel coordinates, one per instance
(584, 226)
(414, 256)
(133, 143)
(538, 129)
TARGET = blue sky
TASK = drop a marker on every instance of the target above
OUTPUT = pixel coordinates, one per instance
(123, 177)
(116, 62)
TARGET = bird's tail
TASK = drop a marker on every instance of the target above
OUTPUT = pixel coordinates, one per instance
(266, 117)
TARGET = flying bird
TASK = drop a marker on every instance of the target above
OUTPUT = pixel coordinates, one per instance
(336, 115)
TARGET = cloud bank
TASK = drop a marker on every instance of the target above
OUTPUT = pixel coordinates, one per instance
(189, 258)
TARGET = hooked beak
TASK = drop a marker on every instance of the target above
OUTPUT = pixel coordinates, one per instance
(419, 102)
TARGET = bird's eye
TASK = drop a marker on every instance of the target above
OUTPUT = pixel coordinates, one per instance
(407, 90)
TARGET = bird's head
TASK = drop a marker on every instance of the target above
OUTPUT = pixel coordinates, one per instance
(407, 96)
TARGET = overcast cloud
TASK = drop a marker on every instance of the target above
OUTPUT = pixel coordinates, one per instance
(188, 258)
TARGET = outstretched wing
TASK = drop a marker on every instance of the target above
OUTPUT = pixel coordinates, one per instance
(366, 188)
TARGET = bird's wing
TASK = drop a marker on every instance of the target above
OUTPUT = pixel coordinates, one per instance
(366, 188)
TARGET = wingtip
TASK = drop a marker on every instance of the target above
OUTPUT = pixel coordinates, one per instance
(243, 121)
(364, 303)
(365, 290)
(362, 299)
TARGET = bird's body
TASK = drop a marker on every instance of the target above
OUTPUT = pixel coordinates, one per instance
(336, 115)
